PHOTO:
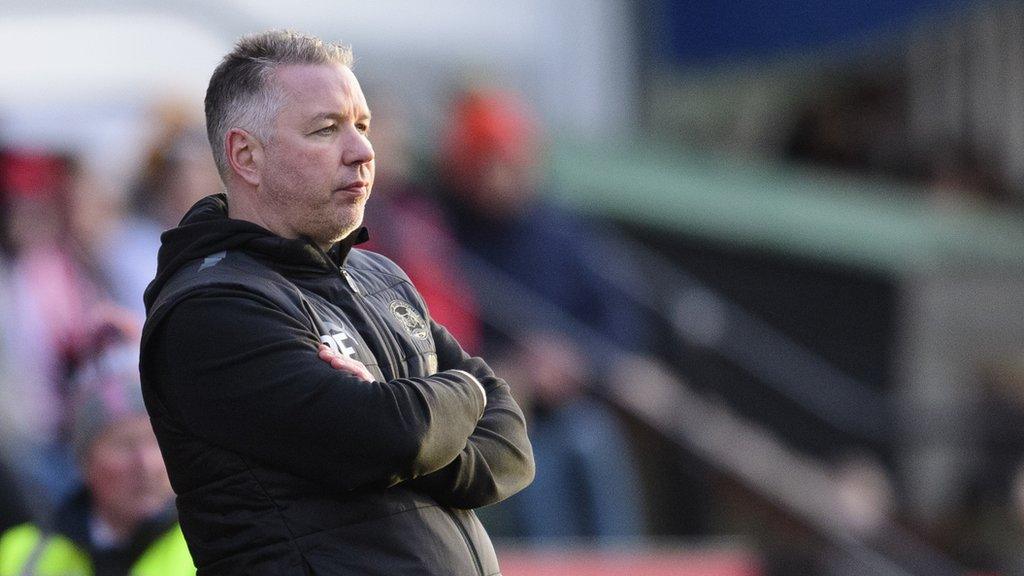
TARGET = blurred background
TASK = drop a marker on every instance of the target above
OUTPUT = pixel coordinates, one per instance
(754, 268)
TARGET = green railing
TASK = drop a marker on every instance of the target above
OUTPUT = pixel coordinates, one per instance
(880, 225)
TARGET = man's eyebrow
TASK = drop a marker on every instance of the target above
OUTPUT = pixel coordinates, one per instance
(327, 116)
(338, 117)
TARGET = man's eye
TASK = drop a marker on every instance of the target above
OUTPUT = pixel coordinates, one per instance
(363, 127)
(327, 130)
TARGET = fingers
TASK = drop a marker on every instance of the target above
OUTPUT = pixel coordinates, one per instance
(329, 356)
(339, 362)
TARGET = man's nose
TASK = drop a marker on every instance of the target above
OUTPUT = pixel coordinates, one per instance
(358, 150)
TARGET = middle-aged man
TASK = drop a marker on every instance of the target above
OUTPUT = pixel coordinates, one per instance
(313, 417)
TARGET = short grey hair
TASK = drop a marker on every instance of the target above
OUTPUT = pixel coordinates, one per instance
(240, 94)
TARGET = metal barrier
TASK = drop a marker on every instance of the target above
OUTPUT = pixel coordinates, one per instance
(713, 431)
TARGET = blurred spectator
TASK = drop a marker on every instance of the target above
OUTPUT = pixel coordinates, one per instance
(853, 124)
(492, 161)
(121, 520)
(50, 294)
(408, 226)
(586, 483)
(178, 168)
(860, 125)
(28, 179)
(178, 171)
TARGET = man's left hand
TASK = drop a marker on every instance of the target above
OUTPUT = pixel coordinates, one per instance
(339, 362)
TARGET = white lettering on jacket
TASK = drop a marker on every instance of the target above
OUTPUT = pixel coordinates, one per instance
(337, 342)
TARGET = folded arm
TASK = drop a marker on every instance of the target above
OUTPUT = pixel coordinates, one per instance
(497, 460)
(241, 374)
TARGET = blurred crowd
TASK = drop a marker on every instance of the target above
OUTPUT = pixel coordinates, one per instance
(82, 478)
(80, 473)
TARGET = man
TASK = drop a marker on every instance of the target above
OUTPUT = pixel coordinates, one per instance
(121, 522)
(313, 417)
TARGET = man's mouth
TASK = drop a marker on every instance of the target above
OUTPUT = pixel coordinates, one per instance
(357, 187)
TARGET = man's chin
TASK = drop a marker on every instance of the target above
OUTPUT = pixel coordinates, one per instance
(327, 240)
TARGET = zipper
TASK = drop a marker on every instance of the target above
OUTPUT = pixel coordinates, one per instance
(351, 283)
(380, 332)
(465, 537)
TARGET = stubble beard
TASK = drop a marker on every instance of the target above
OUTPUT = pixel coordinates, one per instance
(316, 222)
(326, 231)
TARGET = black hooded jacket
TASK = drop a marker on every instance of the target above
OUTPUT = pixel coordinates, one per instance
(284, 465)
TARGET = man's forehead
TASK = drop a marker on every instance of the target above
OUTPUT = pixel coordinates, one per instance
(309, 83)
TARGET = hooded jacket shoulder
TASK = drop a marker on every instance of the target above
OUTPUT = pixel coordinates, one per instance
(206, 244)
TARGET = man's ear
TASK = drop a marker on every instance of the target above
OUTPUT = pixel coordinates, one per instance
(245, 154)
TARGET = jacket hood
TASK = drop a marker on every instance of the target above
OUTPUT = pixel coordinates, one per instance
(206, 229)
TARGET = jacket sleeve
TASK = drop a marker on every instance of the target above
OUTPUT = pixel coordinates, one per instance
(497, 460)
(243, 375)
